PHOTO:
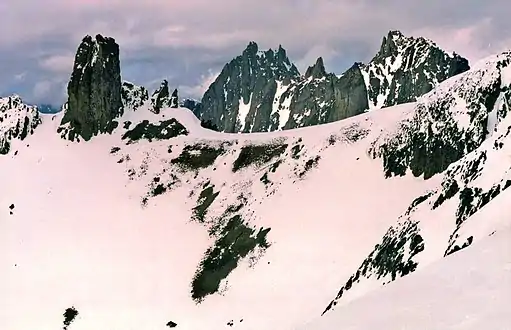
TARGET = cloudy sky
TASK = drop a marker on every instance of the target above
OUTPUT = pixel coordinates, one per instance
(188, 41)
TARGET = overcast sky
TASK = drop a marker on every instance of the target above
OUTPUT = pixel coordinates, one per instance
(188, 41)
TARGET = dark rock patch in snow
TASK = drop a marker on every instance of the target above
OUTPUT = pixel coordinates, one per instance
(164, 130)
(69, 316)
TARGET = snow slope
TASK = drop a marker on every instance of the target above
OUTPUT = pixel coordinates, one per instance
(470, 290)
(164, 220)
(81, 235)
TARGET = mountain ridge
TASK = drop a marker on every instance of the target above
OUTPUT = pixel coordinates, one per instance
(209, 226)
(403, 69)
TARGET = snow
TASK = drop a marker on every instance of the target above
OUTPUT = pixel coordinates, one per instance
(79, 236)
(243, 111)
(469, 290)
(276, 106)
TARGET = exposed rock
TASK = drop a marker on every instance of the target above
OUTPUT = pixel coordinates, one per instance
(133, 96)
(174, 99)
(69, 316)
(171, 324)
(241, 97)
(317, 70)
(406, 67)
(263, 91)
(438, 133)
(94, 91)
(17, 121)
(161, 98)
(47, 108)
(323, 98)
(192, 104)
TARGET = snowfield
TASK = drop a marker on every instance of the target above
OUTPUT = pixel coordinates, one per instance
(469, 290)
(166, 222)
(79, 235)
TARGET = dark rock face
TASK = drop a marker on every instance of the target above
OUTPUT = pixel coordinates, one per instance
(243, 93)
(405, 68)
(94, 91)
(322, 98)
(437, 135)
(174, 99)
(133, 96)
(161, 98)
(69, 316)
(263, 91)
(194, 105)
(47, 108)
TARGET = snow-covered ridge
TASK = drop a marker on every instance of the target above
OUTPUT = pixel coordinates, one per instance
(17, 121)
(466, 291)
(252, 231)
(403, 69)
(452, 119)
(449, 121)
(253, 200)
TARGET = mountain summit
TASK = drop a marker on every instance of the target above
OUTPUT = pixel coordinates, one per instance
(162, 98)
(247, 85)
(263, 91)
(405, 68)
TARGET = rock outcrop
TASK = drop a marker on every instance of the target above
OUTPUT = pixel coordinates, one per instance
(263, 91)
(94, 91)
(192, 104)
(162, 98)
(17, 121)
(133, 96)
(241, 98)
(405, 68)
(322, 97)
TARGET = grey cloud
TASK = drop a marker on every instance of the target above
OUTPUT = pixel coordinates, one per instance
(188, 41)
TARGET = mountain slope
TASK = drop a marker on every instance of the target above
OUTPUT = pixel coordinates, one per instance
(469, 291)
(171, 223)
(403, 69)
(149, 196)
(471, 148)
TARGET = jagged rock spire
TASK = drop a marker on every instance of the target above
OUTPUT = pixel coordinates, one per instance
(174, 99)
(94, 90)
(161, 98)
(133, 96)
(388, 44)
(317, 70)
(250, 77)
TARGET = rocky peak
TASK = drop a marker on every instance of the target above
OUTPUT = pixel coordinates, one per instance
(94, 90)
(174, 99)
(317, 70)
(246, 84)
(263, 91)
(389, 43)
(406, 67)
(251, 49)
(161, 98)
(133, 96)
(17, 121)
